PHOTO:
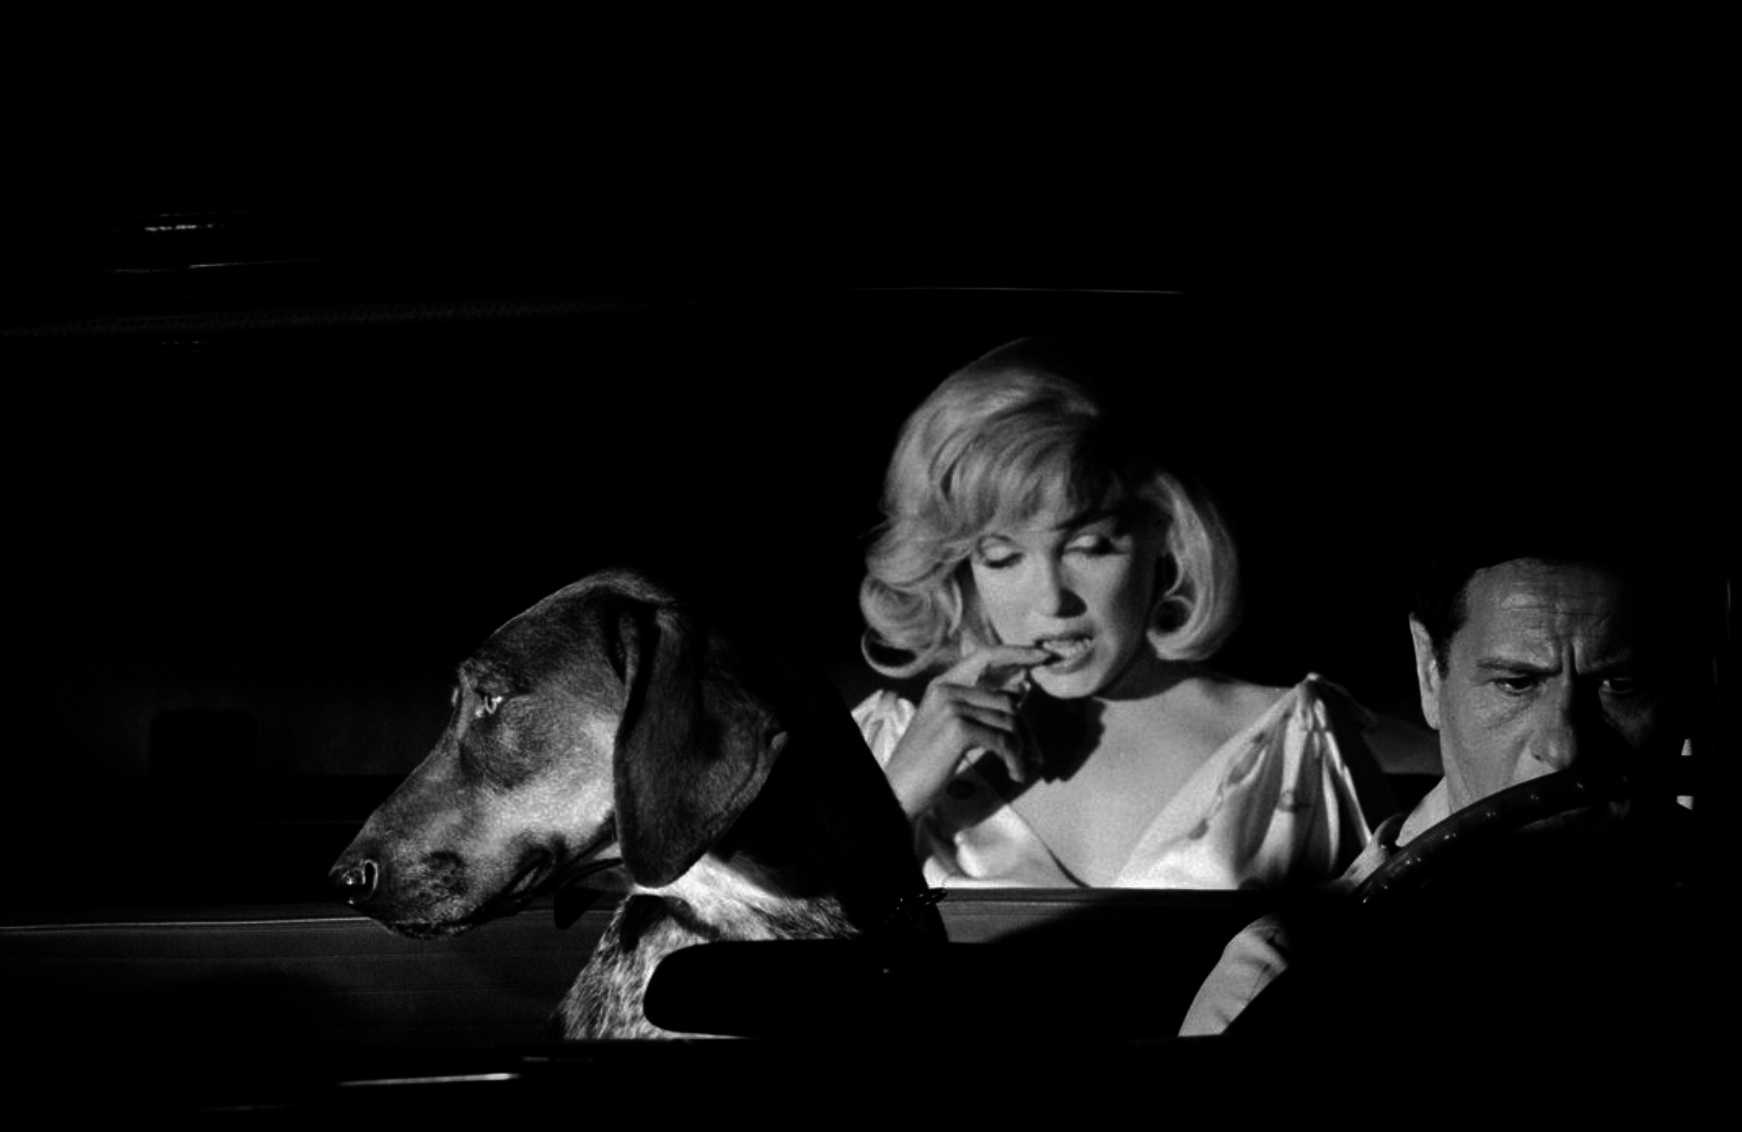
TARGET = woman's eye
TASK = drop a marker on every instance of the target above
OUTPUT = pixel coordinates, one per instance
(997, 559)
(1093, 545)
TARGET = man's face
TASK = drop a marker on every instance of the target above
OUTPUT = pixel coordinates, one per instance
(1550, 667)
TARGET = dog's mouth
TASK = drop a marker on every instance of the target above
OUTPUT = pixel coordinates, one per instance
(597, 857)
(541, 868)
(535, 869)
(577, 873)
(429, 929)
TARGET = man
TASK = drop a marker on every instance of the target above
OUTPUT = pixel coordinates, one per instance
(1540, 646)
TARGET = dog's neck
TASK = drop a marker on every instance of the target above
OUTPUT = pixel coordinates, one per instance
(720, 899)
(825, 830)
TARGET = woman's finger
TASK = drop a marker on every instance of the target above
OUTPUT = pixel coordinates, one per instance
(973, 695)
(994, 664)
(1005, 746)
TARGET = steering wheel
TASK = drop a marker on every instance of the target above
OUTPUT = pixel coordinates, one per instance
(1542, 805)
(1549, 908)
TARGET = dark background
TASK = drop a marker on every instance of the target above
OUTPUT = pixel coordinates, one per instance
(345, 507)
(302, 403)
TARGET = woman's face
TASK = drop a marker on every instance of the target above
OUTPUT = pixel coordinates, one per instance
(1080, 586)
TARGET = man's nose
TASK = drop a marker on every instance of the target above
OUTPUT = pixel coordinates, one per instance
(1558, 741)
(1573, 728)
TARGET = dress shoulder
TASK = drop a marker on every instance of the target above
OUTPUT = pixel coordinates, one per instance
(1314, 715)
(1347, 730)
(1331, 703)
(883, 718)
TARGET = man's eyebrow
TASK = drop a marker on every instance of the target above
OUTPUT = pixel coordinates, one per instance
(1503, 664)
(1627, 662)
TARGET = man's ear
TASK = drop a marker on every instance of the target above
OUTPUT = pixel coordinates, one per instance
(1427, 673)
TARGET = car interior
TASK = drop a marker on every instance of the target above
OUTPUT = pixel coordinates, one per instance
(278, 468)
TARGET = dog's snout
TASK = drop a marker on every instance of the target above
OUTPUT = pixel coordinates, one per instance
(356, 883)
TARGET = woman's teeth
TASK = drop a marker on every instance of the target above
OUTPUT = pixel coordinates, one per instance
(1064, 648)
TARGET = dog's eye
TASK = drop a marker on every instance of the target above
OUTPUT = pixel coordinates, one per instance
(487, 705)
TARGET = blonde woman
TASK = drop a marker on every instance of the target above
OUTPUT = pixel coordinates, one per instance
(1067, 592)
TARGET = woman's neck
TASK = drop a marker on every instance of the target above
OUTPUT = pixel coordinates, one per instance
(1146, 677)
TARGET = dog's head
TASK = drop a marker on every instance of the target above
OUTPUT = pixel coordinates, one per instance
(602, 723)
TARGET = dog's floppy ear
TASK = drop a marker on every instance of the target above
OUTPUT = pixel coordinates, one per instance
(693, 748)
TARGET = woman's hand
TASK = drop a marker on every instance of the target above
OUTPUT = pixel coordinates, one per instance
(965, 709)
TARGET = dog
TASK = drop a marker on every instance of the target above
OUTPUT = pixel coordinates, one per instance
(614, 726)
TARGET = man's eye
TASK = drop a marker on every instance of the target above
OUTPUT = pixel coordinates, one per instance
(1516, 685)
(1623, 686)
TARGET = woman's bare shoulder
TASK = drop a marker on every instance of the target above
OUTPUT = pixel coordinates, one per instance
(1225, 706)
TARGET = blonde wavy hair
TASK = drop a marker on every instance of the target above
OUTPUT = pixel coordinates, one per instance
(1016, 433)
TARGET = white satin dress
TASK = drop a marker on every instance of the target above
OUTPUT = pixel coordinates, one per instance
(1275, 805)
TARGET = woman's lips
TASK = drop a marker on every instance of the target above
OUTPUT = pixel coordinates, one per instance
(1068, 651)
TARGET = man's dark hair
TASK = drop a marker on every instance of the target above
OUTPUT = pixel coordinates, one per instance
(1648, 541)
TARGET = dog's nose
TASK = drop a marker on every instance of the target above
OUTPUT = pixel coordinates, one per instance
(357, 883)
